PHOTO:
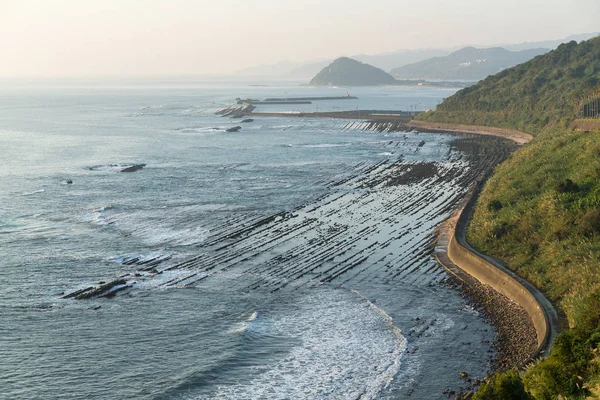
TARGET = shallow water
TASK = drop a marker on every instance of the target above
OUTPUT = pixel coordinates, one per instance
(335, 296)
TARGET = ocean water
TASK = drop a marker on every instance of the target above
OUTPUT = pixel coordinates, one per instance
(288, 260)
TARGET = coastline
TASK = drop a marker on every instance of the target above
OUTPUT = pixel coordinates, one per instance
(486, 280)
(516, 136)
(525, 320)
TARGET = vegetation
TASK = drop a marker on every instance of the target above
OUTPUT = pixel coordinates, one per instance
(540, 212)
(530, 96)
(504, 386)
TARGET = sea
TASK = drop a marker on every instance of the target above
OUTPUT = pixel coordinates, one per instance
(288, 260)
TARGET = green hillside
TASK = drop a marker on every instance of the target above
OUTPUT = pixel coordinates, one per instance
(530, 96)
(540, 211)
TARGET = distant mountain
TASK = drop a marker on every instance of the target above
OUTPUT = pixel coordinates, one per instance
(289, 69)
(531, 95)
(549, 44)
(387, 61)
(396, 59)
(468, 63)
(348, 72)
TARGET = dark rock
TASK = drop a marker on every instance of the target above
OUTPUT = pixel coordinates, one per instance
(234, 129)
(247, 120)
(133, 168)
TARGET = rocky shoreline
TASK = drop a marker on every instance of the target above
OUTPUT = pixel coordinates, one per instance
(516, 338)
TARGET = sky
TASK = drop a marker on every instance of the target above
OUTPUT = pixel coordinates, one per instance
(85, 38)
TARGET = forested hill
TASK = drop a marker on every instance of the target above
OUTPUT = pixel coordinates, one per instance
(348, 72)
(529, 96)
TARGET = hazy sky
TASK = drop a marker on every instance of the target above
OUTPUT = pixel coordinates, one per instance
(152, 37)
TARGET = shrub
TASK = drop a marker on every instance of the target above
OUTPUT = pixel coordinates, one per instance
(567, 186)
(589, 223)
(495, 205)
(504, 386)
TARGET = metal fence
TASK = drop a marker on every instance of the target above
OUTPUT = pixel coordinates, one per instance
(589, 106)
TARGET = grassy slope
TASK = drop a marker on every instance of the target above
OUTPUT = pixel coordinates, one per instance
(540, 212)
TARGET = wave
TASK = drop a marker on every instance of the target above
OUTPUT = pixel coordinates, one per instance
(244, 325)
(325, 145)
(32, 193)
(200, 129)
(97, 216)
(341, 349)
(385, 378)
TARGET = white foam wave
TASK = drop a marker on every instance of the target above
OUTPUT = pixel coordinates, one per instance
(97, 216)
(32, 193)
(163, 235)
(201, 129)
(325, 145)
(349, 349)
(244, 325)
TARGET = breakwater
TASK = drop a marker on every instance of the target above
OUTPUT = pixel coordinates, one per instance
(312, 98)
(294, 100)
(245, 108)
(362, 115)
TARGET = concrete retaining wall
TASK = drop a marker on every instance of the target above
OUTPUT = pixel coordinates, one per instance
(489, 274)
(490, 271)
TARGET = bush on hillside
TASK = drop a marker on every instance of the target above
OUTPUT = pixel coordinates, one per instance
(503, 386)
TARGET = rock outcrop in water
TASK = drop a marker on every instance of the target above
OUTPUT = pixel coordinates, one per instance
(348, 72)
(327, 240)
(133, 168)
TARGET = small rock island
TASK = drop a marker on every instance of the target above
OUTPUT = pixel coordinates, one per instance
(348, 72)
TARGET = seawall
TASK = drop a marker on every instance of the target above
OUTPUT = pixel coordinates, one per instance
(511, 134)
(459, 258)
